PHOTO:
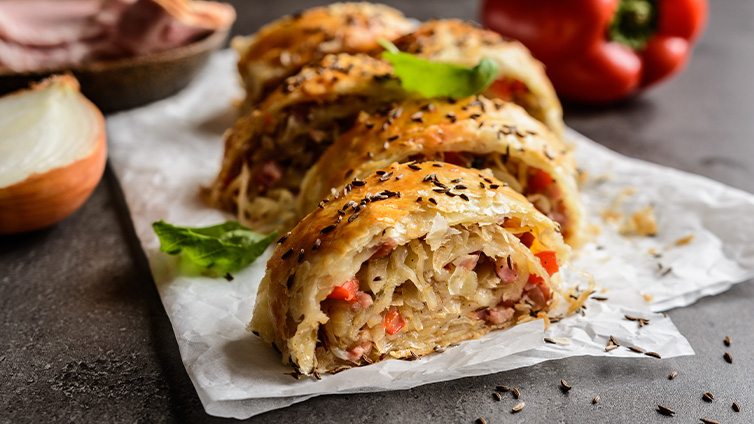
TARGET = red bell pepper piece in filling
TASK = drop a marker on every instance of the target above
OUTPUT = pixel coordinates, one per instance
(393, 321)
(346, 291)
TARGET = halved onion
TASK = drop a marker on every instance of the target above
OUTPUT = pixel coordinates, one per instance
(52, 153)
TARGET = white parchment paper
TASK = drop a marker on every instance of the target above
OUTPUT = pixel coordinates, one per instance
(164, 152)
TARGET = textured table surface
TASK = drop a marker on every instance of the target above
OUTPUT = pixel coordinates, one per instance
(84, 337)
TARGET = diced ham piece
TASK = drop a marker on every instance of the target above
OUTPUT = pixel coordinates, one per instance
(362, 301)
(539, 294)
(497, 315)
(507, 275)
(468, 262)
(270, 174)
(359, 350)
(387, 247)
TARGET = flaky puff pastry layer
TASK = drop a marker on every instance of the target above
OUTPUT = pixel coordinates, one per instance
(455, 41)
(395, 207)
(290, 130)
(281, 48)
(502, 135)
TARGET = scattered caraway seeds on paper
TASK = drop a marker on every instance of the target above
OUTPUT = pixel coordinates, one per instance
(480, 420)
(708, 421)
(610, 347)
(736, 407)
(502, 388)
(635, 349)
(518, 407)
(727, 341)
(564, 385)
(653, 354)
(549, 340)
(672, 375)
(728, 358)
(515, 392)
(497, 396)
(664, 410)
(708, 396)
(596, 399)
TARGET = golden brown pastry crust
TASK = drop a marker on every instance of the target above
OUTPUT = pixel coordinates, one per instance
(455, 41)
(323, 249)
(429, 130)
(293, 126)
(283, 47)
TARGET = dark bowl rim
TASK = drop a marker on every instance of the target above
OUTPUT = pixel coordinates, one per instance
(207, 42)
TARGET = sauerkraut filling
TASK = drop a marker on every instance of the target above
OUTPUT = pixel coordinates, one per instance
(267, 181)
(434, 291)
(535, 184)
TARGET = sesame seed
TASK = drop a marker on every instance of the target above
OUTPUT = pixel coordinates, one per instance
(664, 410)
(438, 165)
(417, 117)
(386, 177)
(494, 186)
(419, 199)
(358, 183)
(301, 255)
(464, 197)
(317, 243)
(284, 238)
(393, 138)
(328, 229)
(287, 254)
(398, 177)
(414, 167)
(352, 217)
(289, 282)
(457, 180)
(377, 278)
(460, 187)
(433, 201)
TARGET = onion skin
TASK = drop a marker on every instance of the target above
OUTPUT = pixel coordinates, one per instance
(44, 199)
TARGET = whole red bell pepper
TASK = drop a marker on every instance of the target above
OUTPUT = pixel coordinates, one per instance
(599, 51)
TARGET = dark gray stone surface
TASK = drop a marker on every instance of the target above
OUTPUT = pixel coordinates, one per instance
(84, 337)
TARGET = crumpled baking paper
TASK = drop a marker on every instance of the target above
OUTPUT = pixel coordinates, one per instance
(164, 152)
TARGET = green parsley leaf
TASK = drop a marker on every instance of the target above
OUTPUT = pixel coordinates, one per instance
(225, 247)
(436, 79)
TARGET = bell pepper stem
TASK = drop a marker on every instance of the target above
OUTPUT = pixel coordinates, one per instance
(634, 23)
